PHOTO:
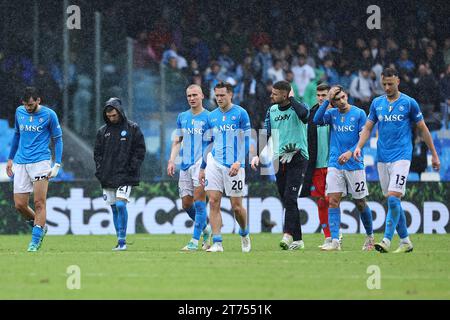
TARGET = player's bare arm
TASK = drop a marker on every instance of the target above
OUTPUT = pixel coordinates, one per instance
(363, 137)
(176, 145)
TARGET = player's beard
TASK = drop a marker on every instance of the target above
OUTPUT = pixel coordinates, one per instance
(33, 110)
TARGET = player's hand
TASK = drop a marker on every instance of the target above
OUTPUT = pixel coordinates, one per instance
(201, 177)
(234, 170)
(54, 171)
(343, 159)
(171, 168)
(357, 154)
(332, 93)
(9, 171)
(435, 163)
(255, 163)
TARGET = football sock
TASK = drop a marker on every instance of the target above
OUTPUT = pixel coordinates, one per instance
(243, 233)
(334, 218)
(200, 219)
(191, 212)
(393, 216)
(36, 234)
(123, 219)
(402, 229)
(217, 238)
(366, 218)
(115, 218)
(323, 216)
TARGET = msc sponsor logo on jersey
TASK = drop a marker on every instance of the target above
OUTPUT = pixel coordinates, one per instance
(391, 117)
(30, 128)
(194, 130)
(343, 128)
(281, 118)
(227, 127)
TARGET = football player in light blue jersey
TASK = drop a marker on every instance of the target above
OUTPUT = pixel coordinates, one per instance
(395, 113)
(29, 161)
(190, 145)
(345, 174)
(229, 133)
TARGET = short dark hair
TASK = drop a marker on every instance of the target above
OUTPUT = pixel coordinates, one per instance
(323, 86)
(108, 109)
(341, 89)
(222, 84)
(30, 92)
(389, 72)
(282, 85)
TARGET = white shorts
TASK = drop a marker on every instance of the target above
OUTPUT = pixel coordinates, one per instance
(393, 176)
(217, 179)
(111, 195)
(26, 174)
(189, 180)
(353, 182)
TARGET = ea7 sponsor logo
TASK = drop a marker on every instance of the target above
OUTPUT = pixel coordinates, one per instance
(281, 118)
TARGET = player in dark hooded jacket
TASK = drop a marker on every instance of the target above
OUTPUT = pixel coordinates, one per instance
(118, 154)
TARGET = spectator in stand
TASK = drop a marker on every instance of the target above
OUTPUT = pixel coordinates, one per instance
(262, 63)
(303, 74)
(427, 93)
(434, 60)
(226, 62)
(404, 63)
(144, 54)
(200, 52)
(374, 49)
(332, 76)
(361, 89)
(276, 72)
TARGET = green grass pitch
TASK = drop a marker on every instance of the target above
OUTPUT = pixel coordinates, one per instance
(154, 268)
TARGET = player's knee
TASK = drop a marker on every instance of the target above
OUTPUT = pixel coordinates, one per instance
(21, 206)
(334, 202)
(237, 208)
(214, 203)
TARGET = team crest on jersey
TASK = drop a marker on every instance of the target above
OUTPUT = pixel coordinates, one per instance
(401, 108)
(233, 118)
(41, 120)
(123, 133)
(352, 119)
(380, 117)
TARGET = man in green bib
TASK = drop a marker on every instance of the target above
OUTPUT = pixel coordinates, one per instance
(286, 123)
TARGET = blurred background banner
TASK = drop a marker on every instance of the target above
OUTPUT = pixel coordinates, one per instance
(147, 52)
(155, 208)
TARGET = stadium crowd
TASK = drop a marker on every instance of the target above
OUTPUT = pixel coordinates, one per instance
(303, 45)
